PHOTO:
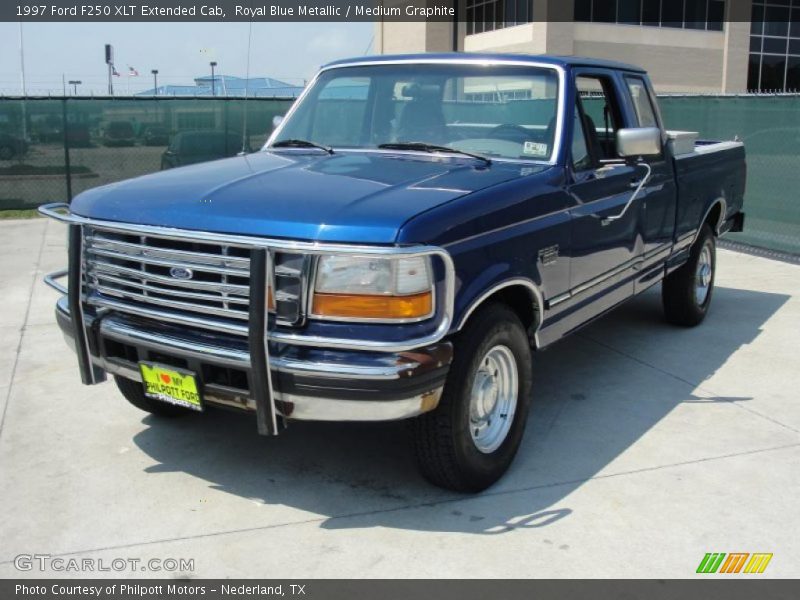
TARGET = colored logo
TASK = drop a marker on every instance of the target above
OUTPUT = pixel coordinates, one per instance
(735, 562)
(181, 273)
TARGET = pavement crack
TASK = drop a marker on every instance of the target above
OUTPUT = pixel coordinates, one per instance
(22, 330)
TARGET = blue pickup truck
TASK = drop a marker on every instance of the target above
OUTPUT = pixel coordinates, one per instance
(413, 229)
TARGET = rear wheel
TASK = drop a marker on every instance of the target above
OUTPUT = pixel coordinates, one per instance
(686, 292)
(134, 393)
(470, 440)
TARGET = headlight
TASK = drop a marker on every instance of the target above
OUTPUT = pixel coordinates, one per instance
(373, 288)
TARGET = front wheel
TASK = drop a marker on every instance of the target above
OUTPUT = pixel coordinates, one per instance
(686, 292)
(470, 440)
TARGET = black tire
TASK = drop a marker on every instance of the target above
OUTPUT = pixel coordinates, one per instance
(679, 289)
(134, 393)
(443, 444)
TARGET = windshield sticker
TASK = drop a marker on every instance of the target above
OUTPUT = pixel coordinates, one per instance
(534, 149)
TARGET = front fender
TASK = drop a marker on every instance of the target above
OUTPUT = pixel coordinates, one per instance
(498, 237)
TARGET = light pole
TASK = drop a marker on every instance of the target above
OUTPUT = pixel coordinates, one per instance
(111, 71)
(155, 81)
(75, 83)
(213, 64)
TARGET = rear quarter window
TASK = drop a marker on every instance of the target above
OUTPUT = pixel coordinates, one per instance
(642, 104)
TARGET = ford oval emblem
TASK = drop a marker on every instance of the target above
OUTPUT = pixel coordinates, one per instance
(181, 273)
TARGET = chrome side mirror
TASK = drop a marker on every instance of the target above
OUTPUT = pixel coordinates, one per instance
(277, 120)
(643, 141)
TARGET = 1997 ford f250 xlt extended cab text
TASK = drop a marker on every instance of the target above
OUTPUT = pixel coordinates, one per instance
(410, 232)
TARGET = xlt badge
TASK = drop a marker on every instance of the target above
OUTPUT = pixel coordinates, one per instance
(549, 255)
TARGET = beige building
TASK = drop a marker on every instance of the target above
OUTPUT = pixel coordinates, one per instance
(695, 46)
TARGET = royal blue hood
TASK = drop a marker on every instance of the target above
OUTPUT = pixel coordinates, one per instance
(345, 197)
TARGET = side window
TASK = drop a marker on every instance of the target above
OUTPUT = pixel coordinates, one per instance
(602, 116)
(641, 102)
(581, 159)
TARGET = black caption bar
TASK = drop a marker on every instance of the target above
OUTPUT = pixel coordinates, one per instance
(230, 10)
(291, 10)
(209, 589)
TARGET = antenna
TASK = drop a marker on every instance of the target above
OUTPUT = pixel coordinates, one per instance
(369, 46)
(24, 84)
(247, 84)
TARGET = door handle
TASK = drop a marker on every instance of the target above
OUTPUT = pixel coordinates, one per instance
(639, 186)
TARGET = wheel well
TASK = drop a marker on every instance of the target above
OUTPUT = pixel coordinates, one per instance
(714, 216)
(522, 300)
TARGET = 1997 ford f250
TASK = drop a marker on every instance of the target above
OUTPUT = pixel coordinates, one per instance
(410, 232)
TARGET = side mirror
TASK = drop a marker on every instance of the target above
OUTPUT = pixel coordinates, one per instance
(643, 141)
(277, 120)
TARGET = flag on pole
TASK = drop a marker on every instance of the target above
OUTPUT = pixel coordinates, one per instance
(114, 71)
(132, 72)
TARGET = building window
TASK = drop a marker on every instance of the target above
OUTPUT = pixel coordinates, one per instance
(706, 15)
(489, 15)
(774, 64)
(498, 97)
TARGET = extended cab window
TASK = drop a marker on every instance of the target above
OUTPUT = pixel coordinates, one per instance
(504, 112)
(641, 102)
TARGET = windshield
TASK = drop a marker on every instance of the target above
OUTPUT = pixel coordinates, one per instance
(496, 111)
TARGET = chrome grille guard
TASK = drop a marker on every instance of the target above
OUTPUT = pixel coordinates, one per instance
(260, 265)
(61, 212)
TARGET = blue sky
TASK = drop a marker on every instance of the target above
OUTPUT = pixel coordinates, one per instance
(180, 51)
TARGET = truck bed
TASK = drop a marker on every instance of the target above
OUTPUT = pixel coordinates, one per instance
(713, 170)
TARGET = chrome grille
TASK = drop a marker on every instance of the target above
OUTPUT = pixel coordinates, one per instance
(143, 275)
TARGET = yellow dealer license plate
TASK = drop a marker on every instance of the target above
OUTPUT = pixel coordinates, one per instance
(171, 385)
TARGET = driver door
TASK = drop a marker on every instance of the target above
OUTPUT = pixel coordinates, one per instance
(604, 251)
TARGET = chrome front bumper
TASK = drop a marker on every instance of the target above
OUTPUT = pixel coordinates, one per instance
(309, 384)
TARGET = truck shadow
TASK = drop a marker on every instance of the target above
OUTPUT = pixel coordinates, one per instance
(595, 394)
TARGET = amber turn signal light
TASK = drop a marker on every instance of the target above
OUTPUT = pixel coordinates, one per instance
(362, 306)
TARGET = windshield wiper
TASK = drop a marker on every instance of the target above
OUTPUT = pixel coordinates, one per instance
(301, 144)
(425, 147)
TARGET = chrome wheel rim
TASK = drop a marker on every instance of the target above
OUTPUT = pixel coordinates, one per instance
(703, 276)
(493, 399)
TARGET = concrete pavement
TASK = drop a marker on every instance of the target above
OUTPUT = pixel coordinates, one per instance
(647, 447)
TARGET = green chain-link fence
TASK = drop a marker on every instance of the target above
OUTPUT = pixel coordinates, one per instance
(769, 126)
(114, 139)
